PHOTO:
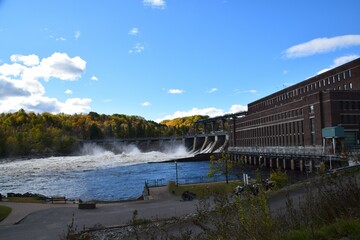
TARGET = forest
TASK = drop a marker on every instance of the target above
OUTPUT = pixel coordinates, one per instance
(28, 134)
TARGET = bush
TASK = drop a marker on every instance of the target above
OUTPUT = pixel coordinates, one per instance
(4, 212)
(279, 177)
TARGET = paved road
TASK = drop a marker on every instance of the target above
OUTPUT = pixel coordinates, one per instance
(50, 221)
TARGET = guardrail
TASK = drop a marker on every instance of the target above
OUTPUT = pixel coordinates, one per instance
(191, 180)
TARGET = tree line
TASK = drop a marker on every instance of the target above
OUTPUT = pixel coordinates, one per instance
(29, 134)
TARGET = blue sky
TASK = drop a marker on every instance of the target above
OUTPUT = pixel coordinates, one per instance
(162, 59)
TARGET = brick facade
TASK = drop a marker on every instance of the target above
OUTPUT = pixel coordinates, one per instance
(295, 116)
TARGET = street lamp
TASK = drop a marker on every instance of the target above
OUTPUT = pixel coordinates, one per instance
(177, 176)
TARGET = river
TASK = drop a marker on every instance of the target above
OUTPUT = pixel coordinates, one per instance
(97, 174)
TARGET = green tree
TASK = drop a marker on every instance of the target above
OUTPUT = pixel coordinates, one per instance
(223, 165)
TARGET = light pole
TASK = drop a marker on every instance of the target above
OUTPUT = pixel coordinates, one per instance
(177, 176)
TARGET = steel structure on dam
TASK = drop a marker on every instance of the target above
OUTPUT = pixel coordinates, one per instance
(194, 144)
(209, 136)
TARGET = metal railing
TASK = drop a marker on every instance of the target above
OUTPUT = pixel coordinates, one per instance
(190, 180)
(291, 150)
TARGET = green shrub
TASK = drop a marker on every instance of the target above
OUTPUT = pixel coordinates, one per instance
(4, 212)
(279, 177)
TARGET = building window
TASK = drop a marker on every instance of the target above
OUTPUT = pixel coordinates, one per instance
(344, 86)
(324, 82)
(312, 131)
(333, 79)
(349, 73)
(350, 85)
(311, 108)
(329, 80)
(344, 75)
(339, 77)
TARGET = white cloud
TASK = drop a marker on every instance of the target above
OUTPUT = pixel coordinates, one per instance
(211, 112)
(77, 35)
(60, 39)
(237, 108)
(93, 78)
(29, 60)
(322, 45)
(75, 105)
(339, 61)
(344, 59)
(60, 65)
(134, 31)
(9, 89)
(155, 3)
(12, 69)
(138, 48)
(212, 90)
(237, 91)
(20, 85)
(68, 91)
(175, 91)
(146, 104)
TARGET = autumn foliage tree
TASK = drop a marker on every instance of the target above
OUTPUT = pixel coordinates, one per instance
(27, 133)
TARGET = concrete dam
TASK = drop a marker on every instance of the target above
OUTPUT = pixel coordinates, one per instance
(197, 144)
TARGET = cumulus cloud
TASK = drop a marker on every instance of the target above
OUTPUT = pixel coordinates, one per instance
(29, 60)
(138, 48)
(20, 85)
(160, 4)
(212, 90)
(211, 112)
(322, 45)
(9, 89)
(75, 105)
(146, 104)
(339, 61)
(61, 66)
(175, 91)
(12, 69)
(237, 108)
(68, 91)
(134, 31)
(93, 78)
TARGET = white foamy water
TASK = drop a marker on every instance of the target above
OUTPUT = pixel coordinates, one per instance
(93, 175)
(98, 158)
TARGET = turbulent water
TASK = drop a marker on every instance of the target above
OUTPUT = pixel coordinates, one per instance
(96, 174)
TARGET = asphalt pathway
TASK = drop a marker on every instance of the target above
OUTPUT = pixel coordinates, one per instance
(50, 221)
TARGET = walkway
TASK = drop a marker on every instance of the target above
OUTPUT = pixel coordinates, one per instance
(50, 221)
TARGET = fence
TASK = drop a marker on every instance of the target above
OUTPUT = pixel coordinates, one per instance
(191, 180)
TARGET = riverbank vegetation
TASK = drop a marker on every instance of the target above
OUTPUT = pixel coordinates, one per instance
(30, 134)
(328, 208)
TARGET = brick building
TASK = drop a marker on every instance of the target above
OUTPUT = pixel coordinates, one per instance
(314, 119)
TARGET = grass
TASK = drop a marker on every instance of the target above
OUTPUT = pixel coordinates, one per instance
(203, 189)
(344, 228)
(25, 199)
(4, 212)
